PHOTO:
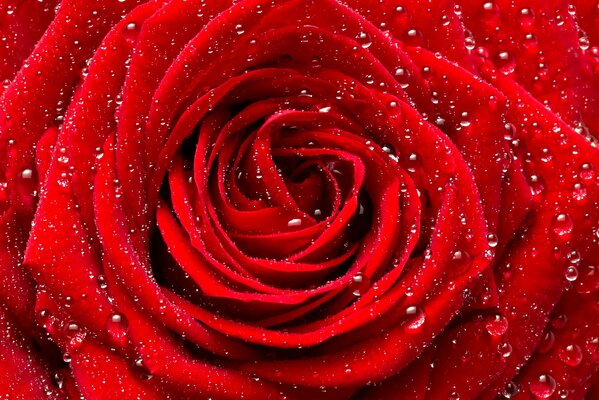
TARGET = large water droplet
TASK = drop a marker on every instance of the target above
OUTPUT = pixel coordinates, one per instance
(562, 226)
(294, 222)
(492, 240)
(543, 387)
(117, 327)
(496, 325)
(546, 343)
(403, 77)
(571, 355)
(571, 273)
(587, 172)
(364, 39)
(415, 317)
(527, 17)
(490, 10)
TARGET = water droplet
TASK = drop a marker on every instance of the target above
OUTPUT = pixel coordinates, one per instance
(324, 109)
(131, 32)
(571, 273)
(497, 325)
(510, 131)
(364, 39)
(27, 173)
(469, 41)
(117, 327)
(559, 322)
(505, 350)
(546, 343)
(490, 10)
(587, 172)
(492, 240)
(583, 41)
(527, 17)
(415, 317)
(239, 29)
(571, 355)
(294, 222)
(102, 282)
(510, 391)
(403, 77)
(413, 37)
(579, 192)
(543, 387)
(563, 394)
(357, 278)
(505, 61)
(562, 226)
(453, 396)
(465, 120)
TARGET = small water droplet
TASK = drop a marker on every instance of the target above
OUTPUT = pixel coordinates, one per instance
(505, 350)
(469, 41)
(465, 120)
(102, 281)
(510, 391)
(492, 240)
(583, 41)
(579, 192)
(453, 396)
(559, 322)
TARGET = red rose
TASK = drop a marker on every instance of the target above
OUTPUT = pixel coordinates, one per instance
(299, 199)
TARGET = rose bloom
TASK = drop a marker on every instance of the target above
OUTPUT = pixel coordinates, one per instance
(299, 199)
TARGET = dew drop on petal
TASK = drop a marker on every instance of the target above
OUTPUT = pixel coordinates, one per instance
(492, 240)
(562, 226)
(510, 390)
(364, 39)
(496, 325)
(505, 350)
(571, 355)
(527, 17)
(571, 273)
(587, 172)
(415, 317)
(117, 327)
(403, 77)
(546, 343)
(294, 222)
(543, 386)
